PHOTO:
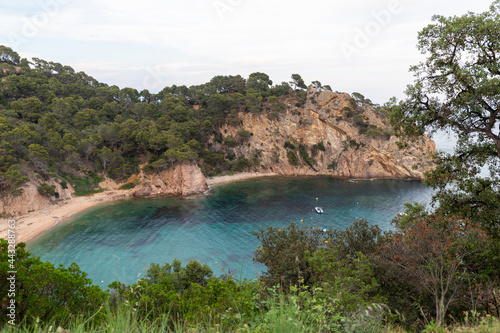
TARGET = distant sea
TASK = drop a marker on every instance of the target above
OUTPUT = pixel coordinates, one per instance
(118, 240)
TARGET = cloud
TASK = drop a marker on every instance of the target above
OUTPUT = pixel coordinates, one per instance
(187, 42)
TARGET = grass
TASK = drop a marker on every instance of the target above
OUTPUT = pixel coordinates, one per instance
(282, 316)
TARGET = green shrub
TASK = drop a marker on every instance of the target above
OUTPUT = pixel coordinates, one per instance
(86, 185)
(180, 278)
(244, 134)
(189, 294)
(127, 186)
(332, 165)
(230, 141)
(273, 115)
(241, 164)
(305, 156)
(48, 190)
(349, 280)
(316, 147)
(290, 145)
(218, 137)
(159, 164)
(374, 133)
(358, 120)
(352, 143)
(359, 237)
(47, 293)
(292, 158)
(283, 251)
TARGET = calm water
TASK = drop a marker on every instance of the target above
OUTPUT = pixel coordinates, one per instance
(118, 240)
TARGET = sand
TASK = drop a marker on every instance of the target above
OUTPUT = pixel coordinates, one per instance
(237, 177)
(35, 223)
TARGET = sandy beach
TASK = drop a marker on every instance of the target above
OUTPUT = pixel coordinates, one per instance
(35, 223)
(218, 180)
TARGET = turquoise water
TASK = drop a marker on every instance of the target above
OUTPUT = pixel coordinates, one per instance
(118, 240)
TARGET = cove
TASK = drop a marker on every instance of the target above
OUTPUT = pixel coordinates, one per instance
(118, 240)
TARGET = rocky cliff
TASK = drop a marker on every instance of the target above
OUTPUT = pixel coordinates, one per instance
(330, 134)
(31, 200)
(181, 179)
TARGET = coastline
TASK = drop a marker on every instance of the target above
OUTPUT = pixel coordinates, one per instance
(34, 224)
(218, 180)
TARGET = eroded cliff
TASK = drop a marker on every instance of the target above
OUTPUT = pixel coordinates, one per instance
(180, 179)
(328, 135)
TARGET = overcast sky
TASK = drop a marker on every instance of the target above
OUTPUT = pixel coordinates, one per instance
(365, 46)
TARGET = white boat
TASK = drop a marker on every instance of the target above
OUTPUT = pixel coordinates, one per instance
(318, 210)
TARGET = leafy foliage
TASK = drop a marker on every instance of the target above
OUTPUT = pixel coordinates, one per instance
(187, 294)
(46, 292)
(86, 185)
(456, 89)
(283, 251)
(438, 256)
(292, 158)
(48, 190)
(347, 279)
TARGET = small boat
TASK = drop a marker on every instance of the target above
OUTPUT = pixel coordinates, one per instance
(318, 210)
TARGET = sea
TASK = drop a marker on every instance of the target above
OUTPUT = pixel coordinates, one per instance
(117, 241)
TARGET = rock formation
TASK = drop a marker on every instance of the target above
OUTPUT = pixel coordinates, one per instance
(31, 200)
(340, 138)
(182, 179)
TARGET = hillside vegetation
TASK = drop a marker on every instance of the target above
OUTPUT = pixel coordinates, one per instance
(63, 128)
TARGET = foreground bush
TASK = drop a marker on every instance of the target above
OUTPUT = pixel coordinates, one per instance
(46, 293)
(439, 261)
(188, 294)
(358, 280)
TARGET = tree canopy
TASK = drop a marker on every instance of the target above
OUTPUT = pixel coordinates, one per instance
(61, 124)
(8, 56)
(457, 90)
